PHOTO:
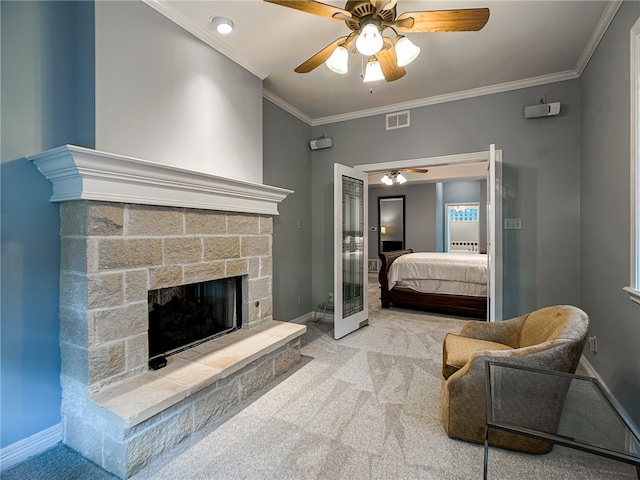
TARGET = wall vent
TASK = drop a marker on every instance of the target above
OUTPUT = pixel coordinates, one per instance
(398, 120)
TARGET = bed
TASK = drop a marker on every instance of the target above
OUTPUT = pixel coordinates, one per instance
(450, 283)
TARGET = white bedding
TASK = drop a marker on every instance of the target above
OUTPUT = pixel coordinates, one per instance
(446, 273)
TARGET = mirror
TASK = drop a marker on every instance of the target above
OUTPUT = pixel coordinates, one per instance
(391, 223)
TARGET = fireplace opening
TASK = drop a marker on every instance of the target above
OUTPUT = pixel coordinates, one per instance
(184, 316)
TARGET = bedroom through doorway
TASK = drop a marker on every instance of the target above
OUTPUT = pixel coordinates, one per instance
(441, 170)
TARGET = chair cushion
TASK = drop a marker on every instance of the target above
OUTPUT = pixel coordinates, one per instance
(460, 349)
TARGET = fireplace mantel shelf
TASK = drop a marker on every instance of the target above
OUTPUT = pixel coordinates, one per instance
(79, 173)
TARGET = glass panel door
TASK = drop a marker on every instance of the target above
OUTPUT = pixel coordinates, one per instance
(350, 247)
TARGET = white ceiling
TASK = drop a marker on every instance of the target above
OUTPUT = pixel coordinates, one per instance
(524, 43)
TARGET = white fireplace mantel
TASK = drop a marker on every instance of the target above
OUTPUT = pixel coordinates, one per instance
(79, 173)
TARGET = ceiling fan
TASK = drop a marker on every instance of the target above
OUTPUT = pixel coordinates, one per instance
(368, 20)
(396, 175)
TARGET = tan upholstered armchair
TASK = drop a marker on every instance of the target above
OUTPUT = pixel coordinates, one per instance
(551, 338)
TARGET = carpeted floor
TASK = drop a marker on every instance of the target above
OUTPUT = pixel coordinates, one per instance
(365, 406)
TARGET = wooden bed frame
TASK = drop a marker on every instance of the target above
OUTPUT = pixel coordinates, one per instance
(432, 302)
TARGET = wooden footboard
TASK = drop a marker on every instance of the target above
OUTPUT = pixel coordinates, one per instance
(404, 297)
(386, 259)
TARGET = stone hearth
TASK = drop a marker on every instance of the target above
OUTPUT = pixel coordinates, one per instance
(115, 411)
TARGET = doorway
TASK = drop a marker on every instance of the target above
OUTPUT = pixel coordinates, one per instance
(477, 165)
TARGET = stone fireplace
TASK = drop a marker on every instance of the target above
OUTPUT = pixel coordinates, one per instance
(129, 227)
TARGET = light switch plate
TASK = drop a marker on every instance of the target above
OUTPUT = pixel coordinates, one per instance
(513, 224)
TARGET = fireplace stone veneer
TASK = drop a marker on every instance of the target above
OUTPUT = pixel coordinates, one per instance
(116, 253)
(115, 411)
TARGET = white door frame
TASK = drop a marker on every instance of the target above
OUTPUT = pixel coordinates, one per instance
(494, 314)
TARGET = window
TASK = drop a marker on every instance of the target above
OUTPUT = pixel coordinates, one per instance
(634, 288)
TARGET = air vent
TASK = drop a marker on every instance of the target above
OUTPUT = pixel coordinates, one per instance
(398, 120)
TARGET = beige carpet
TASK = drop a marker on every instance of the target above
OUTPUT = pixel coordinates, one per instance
(363, 407)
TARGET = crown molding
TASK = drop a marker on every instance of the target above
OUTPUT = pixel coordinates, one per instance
(451, 97)
(601, 28)
(273, 98)
(206, 36)
(79, 173)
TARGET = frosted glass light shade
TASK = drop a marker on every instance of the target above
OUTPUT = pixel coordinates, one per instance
(387, 181)
(373, 72)
(400, 178)
(338, 61)
(369, 42)
(406, 51)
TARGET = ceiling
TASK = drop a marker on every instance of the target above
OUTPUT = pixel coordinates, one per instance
(524, 43)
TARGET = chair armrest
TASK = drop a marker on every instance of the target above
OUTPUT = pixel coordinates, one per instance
(506, 332)
(551, 355)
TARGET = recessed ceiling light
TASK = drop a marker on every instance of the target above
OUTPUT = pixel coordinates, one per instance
(223, 25)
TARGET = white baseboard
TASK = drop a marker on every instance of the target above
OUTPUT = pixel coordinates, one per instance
(327, 317)
(303, 318)
(324, 313)
(316, 316)
(21, 450)
(593, 373)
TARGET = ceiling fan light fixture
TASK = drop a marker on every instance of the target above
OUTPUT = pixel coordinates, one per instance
(223, 25)
(386, 180)
(370, 41)
(406, 50)
(339, 60)
(373, 72)
(400, 178)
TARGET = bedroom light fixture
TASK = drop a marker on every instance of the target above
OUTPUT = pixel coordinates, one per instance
(392, 175)
(223, 25)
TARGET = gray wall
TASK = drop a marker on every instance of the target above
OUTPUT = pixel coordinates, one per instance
(605, 207)
(158, 96)
(420, 212)
(541, 178)
(287, 164)
(47, 101)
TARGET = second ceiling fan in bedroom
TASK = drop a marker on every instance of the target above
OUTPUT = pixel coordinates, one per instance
(395, 176)
(368, 20)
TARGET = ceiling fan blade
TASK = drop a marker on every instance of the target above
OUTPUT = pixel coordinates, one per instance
(320, 57)
(415, 170)
(464, 20)
(384, 4)
(389, 62)
(315, 8)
